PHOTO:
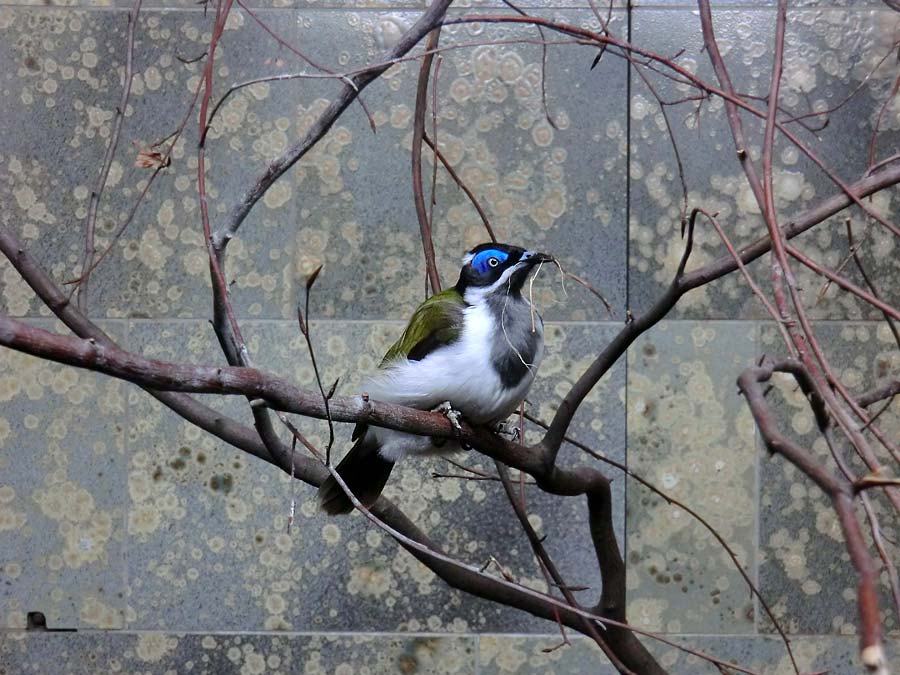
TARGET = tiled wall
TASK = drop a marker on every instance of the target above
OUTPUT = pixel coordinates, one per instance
(165, 550)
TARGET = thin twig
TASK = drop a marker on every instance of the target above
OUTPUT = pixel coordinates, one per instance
(548, 567)
(754, 590)
(303, 320)
(87, 263)
(459, 182)
(871, 284)
(425, 224)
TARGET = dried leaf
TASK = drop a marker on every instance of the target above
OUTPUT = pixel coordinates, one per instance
(311, 279)
(148, 158)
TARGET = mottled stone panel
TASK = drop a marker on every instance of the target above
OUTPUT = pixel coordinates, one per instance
(62, 472)
(149, 652)
(559, 190)
(829, 55)
(541, 4)
(348, 204)
(63, 72)
(691, 435)
(805, 570)
(207, 541)
(540, 655)
(717, 4)
(500, 655)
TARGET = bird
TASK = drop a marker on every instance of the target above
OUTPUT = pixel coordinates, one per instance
(472, 350)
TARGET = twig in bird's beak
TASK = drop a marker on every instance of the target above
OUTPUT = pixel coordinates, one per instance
(586, 284)
(531, 294)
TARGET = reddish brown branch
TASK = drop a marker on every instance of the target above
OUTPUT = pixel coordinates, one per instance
(229, 226)
(802, 336)
(839, 492)
(221, 301)
(425, 224)
(465, 188)
(548, 567)
(87, 263)
(847, 285)
(887, 390)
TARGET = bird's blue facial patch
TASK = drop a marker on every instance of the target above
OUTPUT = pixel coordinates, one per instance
(489, 259)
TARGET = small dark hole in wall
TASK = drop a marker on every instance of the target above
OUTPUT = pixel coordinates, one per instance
(37, 621)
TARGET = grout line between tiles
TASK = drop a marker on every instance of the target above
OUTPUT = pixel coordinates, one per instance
(726, 7)
(321, 319)
(477, 655)
(126, 497)
(413, 636)
(757, 525)
(624, 543)
(199, 10)
(298, 8)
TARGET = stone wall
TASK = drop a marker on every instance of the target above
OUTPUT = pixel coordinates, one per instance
(164, 550)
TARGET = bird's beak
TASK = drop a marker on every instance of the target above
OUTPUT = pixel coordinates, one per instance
(535, 257)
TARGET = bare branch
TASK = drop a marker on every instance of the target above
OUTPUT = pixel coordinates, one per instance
(840, 493)
(87, 263)
(425, 223)
(235, 218)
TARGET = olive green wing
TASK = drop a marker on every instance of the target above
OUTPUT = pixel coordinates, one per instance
(437, 322)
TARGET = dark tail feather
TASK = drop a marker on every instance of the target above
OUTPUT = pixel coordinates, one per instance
(364, 471)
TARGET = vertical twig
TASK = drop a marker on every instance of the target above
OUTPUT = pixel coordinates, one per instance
(425, 225)
(434, 126)
(87, 262)
(459, 182)
(290, 520)
(868, 281)
(303, 320)
(548, 568)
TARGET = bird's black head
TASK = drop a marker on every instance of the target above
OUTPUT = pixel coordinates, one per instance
(497, 267)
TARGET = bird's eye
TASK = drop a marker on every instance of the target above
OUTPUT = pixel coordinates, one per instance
(493, 262)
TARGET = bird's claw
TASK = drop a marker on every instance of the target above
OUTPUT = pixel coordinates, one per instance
(508, 429)
(446, 409)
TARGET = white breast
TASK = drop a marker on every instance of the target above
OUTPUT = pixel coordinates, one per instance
(462, 374)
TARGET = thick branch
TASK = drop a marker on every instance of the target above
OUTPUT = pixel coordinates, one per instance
(302, 468)
(839, 492)
(887, 390)
(695, 279)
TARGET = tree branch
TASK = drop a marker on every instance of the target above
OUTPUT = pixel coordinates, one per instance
(431, 18)
(840, 493)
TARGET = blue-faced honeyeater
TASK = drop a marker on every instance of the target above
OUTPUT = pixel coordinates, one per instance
(476, 346)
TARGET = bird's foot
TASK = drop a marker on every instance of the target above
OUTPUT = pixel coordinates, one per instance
(447, 410)
(507, 429)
